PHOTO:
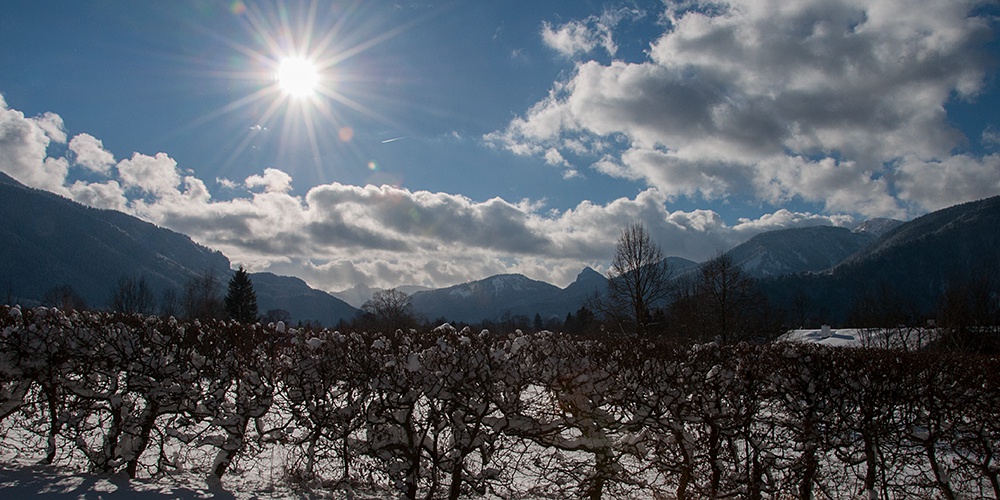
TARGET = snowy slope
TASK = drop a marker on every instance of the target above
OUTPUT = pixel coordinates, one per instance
(798, 250)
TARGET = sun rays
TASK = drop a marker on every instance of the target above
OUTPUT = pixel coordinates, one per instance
(301, 65)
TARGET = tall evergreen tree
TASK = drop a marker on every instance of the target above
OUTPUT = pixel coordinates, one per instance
(241, 301)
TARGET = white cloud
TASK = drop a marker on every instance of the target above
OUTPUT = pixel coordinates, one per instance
(90, 153)
(156, 175)
(579, 37)
(570, 39)
(52, 125)
(571, 174)
(226, 183)
(768, 100)
(338, 235)
(933, 185)
(555, 158)
(273, 181)
(990, 137)
(109, 195)
(23, 145)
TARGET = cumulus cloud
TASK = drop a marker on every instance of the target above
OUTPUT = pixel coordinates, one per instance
(23, 144)
(933, 185)
(89, 152)
(579, 37)
(155, 175)
(569, 39)
(109, 195)
(809, 99)
(273, 181)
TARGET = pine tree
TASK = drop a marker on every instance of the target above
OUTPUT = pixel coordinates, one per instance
(241, 301)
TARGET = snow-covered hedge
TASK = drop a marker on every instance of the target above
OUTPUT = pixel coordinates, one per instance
(459, 413)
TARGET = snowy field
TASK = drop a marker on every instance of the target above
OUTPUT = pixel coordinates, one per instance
(38, 481)
(901, 337)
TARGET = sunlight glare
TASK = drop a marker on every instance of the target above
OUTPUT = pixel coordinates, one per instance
(297, 76)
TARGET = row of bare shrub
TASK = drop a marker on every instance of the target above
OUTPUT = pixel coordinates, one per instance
(449, 413)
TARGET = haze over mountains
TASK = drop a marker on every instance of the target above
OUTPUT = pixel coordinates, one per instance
(51, 241)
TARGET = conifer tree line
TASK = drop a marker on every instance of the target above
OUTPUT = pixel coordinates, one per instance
(459, 413)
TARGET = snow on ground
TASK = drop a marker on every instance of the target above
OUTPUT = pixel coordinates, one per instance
(19, 481)
(825, 336)
(900, 337)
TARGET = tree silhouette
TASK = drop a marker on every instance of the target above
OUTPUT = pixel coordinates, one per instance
(730, 303)
(201, 297)
(132, 295)
(241, 301)
(64, 297)
(639, 279)
(391, 310)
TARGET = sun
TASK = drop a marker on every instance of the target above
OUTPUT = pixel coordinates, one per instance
(298, 65)
(297, 76)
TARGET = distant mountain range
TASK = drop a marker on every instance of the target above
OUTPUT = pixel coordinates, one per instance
(357, 295)
(506, 294)
(50, 241)
(303, 302)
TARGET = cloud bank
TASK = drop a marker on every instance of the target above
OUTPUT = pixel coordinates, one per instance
(336, 235)
(835, 102)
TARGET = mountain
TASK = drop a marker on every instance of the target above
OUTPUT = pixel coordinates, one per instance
(798, 250)
(680, 266)
(877, 226)
(357, 295)
(506, 294)
(949, 246)
(916, 261)
(50, 241)
(301, 301)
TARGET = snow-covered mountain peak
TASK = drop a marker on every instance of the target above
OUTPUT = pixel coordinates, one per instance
(877, 226)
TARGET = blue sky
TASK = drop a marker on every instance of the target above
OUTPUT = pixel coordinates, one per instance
(449, 141)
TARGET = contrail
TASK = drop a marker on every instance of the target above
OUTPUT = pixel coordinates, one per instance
(394, 139)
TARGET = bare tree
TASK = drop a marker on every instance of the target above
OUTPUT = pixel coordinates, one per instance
(390, 310)
(969, 316)
(132, 295)
(170, 303)
(731, 305)
(639, 279)
(64, 297)
(276, 315)
(202, 298)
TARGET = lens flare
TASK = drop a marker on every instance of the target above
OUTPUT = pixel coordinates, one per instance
(345, 134)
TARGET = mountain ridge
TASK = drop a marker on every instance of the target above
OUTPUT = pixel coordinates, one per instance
(51, 241)
(798, 250)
